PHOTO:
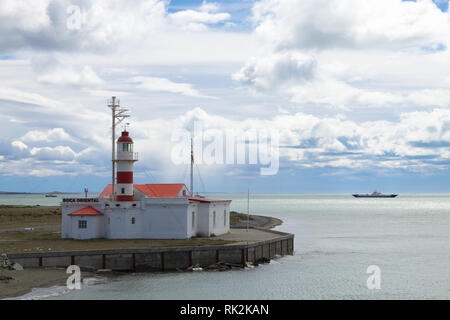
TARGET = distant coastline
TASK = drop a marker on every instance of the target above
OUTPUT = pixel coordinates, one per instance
(51, 192)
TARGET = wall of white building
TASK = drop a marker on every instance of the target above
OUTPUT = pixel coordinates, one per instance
(219, 222)
(119, 223)
(149, 218)
(192, 219)
(203, 228)
(166, 218)
(95, 227)
(69, 224)
(214, 218)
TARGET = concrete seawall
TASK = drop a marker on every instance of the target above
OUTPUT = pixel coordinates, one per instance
(163, 259)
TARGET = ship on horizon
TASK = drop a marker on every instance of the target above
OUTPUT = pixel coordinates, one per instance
(374, 194)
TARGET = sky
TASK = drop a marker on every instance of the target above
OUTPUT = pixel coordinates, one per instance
(357, 91)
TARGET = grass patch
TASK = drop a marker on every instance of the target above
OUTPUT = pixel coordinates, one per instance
(28, 216)
(41, 241)
(236, 217)
(47, 238)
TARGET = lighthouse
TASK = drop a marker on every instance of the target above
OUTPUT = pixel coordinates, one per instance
(125, 159)
(124, 210)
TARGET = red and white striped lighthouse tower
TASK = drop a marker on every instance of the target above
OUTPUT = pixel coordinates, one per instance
(125, 159)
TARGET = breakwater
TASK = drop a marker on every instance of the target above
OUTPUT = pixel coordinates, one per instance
(163, 259)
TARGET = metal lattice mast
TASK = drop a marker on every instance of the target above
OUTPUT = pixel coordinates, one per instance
(118, 115)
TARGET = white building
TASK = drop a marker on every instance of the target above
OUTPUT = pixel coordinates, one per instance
(142, 211)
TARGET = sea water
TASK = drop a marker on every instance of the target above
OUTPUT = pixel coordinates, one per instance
(337, 237)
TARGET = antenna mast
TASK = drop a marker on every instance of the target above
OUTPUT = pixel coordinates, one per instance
(192, 168)
(248, 208)
(118, 114)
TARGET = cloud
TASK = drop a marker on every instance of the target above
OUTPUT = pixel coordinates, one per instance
(276, 70)
(55, 134)
(416, 142)
(64, 75)
(19, 144)
(62, 153)
(316, 142)
(22, 151)
(21, 96)
(350, 23)
(330, 92)
(166, 85)
(350, 54)
(94, 26)
(197, 20)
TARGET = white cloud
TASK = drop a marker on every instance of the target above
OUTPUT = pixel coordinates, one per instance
(350, 23)
(86, 76)
(24, 15)
(374, 53)
(418, 141)
(46, 172)
(58, 153)
(342, 53)
(276, 70)
(197, 20)
(21, 96)
(55, 134)
(62, 153)
(166, 85)
(51, 69)
(19, 144)
(97, 26)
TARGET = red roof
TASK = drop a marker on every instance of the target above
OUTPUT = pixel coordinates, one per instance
(107, 191)
(170, 190)
(160, 190)
(86, 211)
(124, 137)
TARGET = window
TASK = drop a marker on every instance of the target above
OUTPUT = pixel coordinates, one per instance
(133, 220)
(193, 219)
(224, 218)
(82, 224)
(123, 190)
(214, 219)
(127, 147)
(184, 193)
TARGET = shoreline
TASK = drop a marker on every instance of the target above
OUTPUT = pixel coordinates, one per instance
(239, 220)
(23, 282)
